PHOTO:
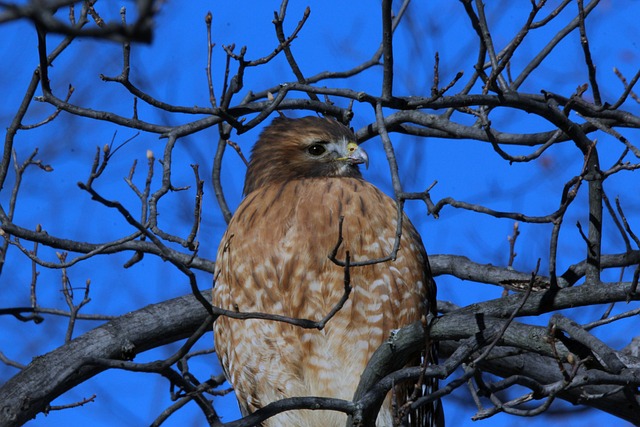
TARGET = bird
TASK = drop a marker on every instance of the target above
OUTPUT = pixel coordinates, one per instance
(303, 192)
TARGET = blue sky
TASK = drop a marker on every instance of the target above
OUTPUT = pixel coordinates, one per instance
(337, 36)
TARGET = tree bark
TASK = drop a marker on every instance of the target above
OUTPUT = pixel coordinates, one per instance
(49, 376)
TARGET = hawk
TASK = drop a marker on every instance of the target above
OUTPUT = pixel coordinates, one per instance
(302, 178)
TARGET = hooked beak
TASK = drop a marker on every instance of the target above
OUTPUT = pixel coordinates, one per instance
(356, 155)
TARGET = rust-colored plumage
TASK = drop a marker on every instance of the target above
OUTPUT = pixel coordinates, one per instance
(303, 176)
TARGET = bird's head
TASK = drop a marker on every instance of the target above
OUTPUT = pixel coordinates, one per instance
(309, 147)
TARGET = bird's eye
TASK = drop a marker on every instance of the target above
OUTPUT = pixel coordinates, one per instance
(316, 149)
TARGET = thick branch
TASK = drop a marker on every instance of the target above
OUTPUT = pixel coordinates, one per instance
(48, 376)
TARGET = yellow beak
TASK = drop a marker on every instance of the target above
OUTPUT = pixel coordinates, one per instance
(356, 155)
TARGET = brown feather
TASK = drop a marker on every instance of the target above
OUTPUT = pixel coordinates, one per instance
(274, 259)
(279, 154)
